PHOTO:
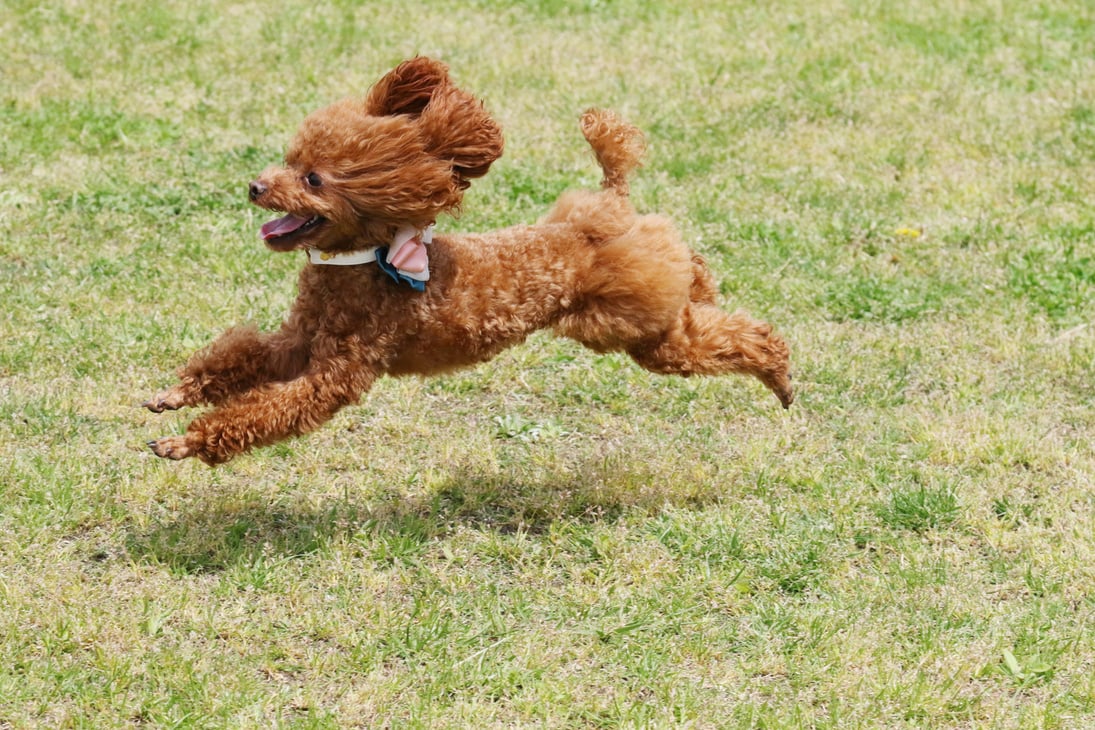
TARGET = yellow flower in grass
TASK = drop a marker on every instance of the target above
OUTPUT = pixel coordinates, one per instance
(908, 232)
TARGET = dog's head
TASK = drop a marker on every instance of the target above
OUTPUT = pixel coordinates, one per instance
(359, 169)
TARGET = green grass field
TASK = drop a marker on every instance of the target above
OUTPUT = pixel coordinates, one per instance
(559, 538)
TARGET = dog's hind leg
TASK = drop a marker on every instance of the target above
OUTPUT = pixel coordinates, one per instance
(707, 341)
(240, 359)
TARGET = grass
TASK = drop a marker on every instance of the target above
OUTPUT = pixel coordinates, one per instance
(565, 541)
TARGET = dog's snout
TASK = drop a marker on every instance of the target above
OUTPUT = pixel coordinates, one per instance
(256, 190)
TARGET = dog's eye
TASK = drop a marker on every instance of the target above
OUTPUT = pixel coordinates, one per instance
(313, 180)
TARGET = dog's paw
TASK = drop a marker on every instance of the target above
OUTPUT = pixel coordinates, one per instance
(171, 447)
(786, 394)
(779, 383)
(166, 400)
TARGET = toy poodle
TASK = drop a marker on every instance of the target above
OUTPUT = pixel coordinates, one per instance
(362, 185)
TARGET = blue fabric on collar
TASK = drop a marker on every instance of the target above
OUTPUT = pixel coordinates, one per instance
(399, 278)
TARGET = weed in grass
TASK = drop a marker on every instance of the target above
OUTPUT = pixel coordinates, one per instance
(877, 298)
(1060, 284)
(514, 426)
(1012, 513)
(709, 540)
(397, 542)
(920, 508)
(794, 568)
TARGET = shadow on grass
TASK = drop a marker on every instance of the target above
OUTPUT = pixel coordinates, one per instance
(231, 528)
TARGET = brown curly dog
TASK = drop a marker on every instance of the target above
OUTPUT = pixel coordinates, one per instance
(362, 184)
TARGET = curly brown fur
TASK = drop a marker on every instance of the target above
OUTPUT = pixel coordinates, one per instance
(592, 269)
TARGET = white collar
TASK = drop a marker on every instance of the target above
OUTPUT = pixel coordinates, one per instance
(342, 258)
(368, 255)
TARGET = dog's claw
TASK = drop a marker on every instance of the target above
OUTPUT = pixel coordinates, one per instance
(170, 447)
(168, 400)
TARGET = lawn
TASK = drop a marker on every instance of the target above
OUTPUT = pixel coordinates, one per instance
(559, 538)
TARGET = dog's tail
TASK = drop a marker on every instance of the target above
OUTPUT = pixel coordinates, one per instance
(618, 145)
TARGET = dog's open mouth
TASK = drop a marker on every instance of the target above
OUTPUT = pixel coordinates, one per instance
(282, 234)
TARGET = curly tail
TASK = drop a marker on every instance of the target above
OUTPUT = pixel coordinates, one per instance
(618, 145)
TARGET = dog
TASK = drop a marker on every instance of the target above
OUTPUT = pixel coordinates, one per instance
(362, 185)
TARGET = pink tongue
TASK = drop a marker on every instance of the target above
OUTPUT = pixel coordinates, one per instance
(282, 226)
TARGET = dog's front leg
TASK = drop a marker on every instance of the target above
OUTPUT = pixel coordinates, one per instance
(238, 360)
(269, 413)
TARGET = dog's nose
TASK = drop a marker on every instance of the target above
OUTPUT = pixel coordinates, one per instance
(256, 190)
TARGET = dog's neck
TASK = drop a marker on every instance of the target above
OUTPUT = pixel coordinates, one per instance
(404, 259)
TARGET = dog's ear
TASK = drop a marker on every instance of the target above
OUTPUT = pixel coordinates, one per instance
(454, 124)
(461, 131)
(407, 88)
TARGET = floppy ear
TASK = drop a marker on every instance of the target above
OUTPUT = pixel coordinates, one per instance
(460, 130)
(453, 124)
(407, 88)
